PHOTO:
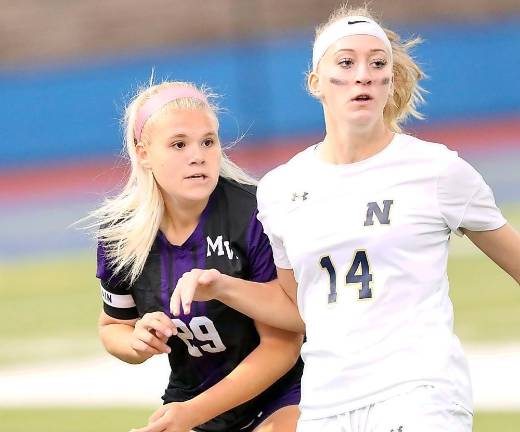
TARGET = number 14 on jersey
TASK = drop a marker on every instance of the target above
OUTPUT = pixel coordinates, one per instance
(358, 273)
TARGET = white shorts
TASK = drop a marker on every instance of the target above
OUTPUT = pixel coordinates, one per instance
(424, 409)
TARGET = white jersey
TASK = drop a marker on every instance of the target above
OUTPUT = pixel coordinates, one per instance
(368, 244)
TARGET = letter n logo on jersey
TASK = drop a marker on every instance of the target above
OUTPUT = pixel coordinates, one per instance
(383, 216)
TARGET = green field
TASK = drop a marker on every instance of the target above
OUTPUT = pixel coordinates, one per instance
(49, 309)
(73, 420)
(121, 420)
(55, 312)
(486, 300)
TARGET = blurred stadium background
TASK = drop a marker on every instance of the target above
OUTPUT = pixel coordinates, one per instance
(67, 68)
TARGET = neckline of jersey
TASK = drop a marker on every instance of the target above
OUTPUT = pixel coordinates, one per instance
(195, 238)
(354, 166)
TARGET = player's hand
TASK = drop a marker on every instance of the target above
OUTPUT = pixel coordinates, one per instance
(151, 333)
(172, 417)
(195, 285)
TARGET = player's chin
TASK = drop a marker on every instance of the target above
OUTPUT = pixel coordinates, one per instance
(198, 192)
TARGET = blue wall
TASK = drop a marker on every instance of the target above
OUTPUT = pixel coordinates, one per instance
(72, 112)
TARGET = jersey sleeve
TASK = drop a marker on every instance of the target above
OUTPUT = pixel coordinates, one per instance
(269, 216)
(465, 200)
(260, 254)
(118, 301)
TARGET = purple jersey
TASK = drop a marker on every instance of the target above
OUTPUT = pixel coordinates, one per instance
(214, 338)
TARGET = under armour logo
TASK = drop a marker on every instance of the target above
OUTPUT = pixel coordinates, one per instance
(302, 196)
(357, 22)
(399, 429)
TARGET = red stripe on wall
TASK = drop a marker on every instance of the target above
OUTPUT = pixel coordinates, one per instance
(86, 178)
(81, 178)
(475, 135)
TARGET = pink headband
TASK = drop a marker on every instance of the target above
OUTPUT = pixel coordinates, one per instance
(159, 100)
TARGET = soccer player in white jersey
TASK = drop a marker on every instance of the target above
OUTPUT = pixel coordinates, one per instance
(360, 224)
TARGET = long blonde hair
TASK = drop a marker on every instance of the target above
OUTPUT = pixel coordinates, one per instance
(408, 94)
(127, 224)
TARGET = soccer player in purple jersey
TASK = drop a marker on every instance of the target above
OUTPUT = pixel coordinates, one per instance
(187, 206)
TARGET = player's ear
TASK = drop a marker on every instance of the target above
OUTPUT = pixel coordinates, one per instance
(313, 84)
(141, 151)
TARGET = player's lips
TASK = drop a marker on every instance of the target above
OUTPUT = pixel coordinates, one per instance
(196, 176)
(362, 97)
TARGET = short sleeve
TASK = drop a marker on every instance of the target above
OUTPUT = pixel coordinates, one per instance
(118, 301)
(465, 200)
(269, 215)
(259, 253)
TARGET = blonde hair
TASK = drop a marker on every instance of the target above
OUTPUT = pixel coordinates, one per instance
(127, 224)
(407, 94)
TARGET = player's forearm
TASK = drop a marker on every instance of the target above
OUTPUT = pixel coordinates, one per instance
(116, 339)
(502, 246)
(264, 302)
(257, 372)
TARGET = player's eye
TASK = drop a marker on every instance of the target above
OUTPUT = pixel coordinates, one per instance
(178, 145)
(346, 63)
(208, 142)
(379, 63)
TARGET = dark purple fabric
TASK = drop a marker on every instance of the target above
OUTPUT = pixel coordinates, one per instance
(104, 271)
(259, 252)
(198, 251)
(165, 258)
(200, 262)
(181, 258)
(286, 397)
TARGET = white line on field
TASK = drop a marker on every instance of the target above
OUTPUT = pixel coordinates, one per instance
(102, 381)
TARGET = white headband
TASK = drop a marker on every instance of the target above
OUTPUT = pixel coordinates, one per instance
(348, 26)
